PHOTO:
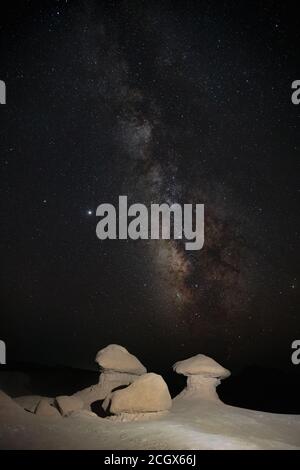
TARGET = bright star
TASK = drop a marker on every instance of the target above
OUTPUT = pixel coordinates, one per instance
(89, 212)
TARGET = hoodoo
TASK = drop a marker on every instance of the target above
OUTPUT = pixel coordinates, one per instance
(117, 368)
(203, 376)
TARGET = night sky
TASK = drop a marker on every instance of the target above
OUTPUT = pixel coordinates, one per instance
(186, 102)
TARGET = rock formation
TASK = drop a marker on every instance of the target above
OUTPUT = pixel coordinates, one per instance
(203, 376)
(118, 368)
(30, 402)
(147, 394)
(44, 408)
(67, 404)
(8, 405)
(116, 358)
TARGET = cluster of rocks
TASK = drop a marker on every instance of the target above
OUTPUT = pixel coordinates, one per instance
(125, 391)
(52, 407)
(125, 388)
(118, 369)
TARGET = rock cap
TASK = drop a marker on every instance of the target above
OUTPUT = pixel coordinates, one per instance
(116, 358)
(201, 365)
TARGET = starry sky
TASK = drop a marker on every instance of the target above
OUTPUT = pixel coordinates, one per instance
(186, 102)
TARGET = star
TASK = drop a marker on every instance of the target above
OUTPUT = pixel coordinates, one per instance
(89, 212)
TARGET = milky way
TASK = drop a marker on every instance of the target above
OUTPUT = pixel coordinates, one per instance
(199, 288)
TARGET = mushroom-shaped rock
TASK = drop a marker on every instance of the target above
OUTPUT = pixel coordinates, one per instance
(147, 394)
(203, 374)
(44, 408)
(68, 404)
(118, 368)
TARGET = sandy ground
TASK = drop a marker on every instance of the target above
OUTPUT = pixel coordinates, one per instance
(191, 424)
